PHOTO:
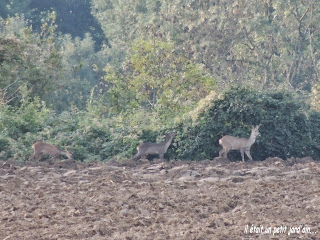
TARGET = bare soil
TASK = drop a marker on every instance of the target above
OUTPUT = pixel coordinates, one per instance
(272, 199)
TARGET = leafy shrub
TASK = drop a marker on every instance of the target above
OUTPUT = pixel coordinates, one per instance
(286, 130)
(314, 144)
(19, 126)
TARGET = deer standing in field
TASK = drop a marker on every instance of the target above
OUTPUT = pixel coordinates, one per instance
(40, 148)
(154, 148)
(243, 144)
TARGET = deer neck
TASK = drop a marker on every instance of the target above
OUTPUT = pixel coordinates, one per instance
(252, 139)
(168, 142)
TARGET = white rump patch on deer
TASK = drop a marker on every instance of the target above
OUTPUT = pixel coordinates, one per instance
(234, 143)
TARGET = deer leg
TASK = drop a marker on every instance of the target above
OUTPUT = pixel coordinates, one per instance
(221, 152)
(38, 156)
(135, 157)
(226, 153)
(248, 154)
(242, 154)
(161, 156)
(32, 156)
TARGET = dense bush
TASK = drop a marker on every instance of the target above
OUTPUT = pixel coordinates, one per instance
(314, 144)
(88, 134)
(287, 129)
(147, 80)
(19, 126)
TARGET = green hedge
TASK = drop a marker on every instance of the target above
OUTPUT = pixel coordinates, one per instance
(288, 127)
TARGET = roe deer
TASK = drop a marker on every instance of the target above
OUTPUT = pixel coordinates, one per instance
(243, 144)
(40, 148)
(154, 148)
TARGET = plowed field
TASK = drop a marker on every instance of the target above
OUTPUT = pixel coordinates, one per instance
(272, 199)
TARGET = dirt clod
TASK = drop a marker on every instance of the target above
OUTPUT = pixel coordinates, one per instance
(160, 200)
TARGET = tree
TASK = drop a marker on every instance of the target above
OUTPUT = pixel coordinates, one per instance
(80, 73)
(157, 78)
(27, 58)
(272, 43)
(11, 8)
(73, 17)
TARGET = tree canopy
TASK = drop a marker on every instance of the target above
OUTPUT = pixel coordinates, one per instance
(101, 76)
(264, 43)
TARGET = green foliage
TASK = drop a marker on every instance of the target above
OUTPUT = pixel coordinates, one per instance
(159, 71)
(314, 123)
(13, 7)
(88, 135)
(265, 44)
(286, 129)
(315, 97)
(27, 59)
(157, 78)
(19, 126)
(75, 19)
(80, 73)
(30, 116)
(60, 70)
